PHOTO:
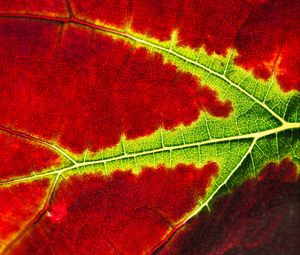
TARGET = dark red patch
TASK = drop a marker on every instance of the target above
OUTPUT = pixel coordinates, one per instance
(20, 157)
(49, 7)
(124, 213)
(85, 90)
(114, 12)
(288, 68)
(285, 239)
(268, 41)
(156, 94)
(212, 24)
(156, 18)
(244, 219)
(19, 204)
(264, 32)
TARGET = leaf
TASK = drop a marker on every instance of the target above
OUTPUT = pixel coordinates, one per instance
(243, 220)
(123, 125)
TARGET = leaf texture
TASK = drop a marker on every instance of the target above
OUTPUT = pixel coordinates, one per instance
(133, 128)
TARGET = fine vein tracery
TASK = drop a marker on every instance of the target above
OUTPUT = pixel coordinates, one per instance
(75, 165)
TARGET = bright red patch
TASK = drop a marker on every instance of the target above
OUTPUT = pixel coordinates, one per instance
(120, 213)
(243, 220)
(85, 90)
(19, 204)
(21, 157)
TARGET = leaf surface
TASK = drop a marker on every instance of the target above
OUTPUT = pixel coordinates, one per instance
(123, 124)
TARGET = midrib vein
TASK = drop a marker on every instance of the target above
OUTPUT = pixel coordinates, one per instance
(152, 46)
(78, 165)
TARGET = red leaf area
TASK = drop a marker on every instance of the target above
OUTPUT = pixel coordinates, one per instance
(20, 157)
(74, 85)
(265, 33)
(119, 214)
(18, 205)
(246, 221)
(54, 7)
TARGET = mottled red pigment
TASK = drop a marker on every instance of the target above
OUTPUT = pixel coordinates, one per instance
(288, 68)
(19, 204)
(47, 7)
(269, 42)
(115, 12)
(21, 157)
(153, 18)
(243, 220)
(76, 86)
(213, 24)
(265, 33)
(154, 94)
(285, 239)
(125, 213)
